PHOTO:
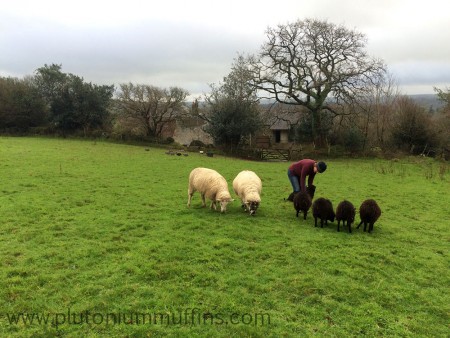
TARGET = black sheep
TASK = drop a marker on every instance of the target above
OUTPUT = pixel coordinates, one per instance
(303, 200)
(345, 212)
(290, 197)
(311, 190)
(323, 209)
(369, 211)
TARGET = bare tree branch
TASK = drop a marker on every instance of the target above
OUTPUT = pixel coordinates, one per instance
(151, 106)
(305, 62)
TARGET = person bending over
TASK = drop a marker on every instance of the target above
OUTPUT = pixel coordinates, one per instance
(298, 171)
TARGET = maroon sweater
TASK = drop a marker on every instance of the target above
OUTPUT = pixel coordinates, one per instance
(301, 169)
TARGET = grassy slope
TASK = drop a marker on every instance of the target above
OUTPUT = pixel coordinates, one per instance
(105, 228)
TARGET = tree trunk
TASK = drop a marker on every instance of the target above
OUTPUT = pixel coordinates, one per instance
(317, 132)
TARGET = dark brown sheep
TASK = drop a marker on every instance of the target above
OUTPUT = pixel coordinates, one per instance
(311, 190)
(303, 200)
(345, 212)
(369, 211)
(322, 208)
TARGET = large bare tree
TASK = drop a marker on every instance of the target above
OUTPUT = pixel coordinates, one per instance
(152, 107)
(305, 62)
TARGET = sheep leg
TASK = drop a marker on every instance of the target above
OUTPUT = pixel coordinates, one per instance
(338, 225)
(359, 225)
(297, 212)
(370, 227)
(315, 221)
(304, 216)
(189, 198)
(321, 222)
(203, 201)
(365, 225)
(349, 227)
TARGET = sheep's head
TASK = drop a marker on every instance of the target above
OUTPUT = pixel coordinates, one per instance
(223, 198)
(311, 190)
(331, 216)
(252, 206)
(351, 217)
(223, 203)
(290, 197)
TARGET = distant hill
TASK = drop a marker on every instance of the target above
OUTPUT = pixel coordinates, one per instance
(424, 100)
(428, 101)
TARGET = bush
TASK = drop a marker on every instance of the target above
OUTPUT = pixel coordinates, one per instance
(353, 140)
(413, 130)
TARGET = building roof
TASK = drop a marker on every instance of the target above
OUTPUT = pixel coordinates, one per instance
(280, 125)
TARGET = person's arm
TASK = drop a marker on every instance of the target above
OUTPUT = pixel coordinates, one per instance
(303, 179)
(311, 179)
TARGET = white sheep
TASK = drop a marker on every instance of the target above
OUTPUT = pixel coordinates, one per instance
(247, 185)
(210, 184)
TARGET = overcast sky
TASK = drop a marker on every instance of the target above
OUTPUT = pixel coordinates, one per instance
(192, 43)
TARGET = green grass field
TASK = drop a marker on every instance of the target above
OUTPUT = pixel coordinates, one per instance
(96, 241)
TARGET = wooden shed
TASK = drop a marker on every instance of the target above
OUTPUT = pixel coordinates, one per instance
(280, 131)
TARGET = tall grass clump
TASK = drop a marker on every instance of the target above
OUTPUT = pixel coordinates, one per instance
(97, 241)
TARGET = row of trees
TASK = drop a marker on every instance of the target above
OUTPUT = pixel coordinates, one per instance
(53, 99)
(318, 71)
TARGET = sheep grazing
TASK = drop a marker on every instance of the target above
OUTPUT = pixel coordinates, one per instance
(345, 212)
(303, 200)
(210, 184)
(369, 211)
(247, 185)
(322, 208)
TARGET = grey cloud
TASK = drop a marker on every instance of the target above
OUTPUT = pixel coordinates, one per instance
(192, 53)
(158, 52)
